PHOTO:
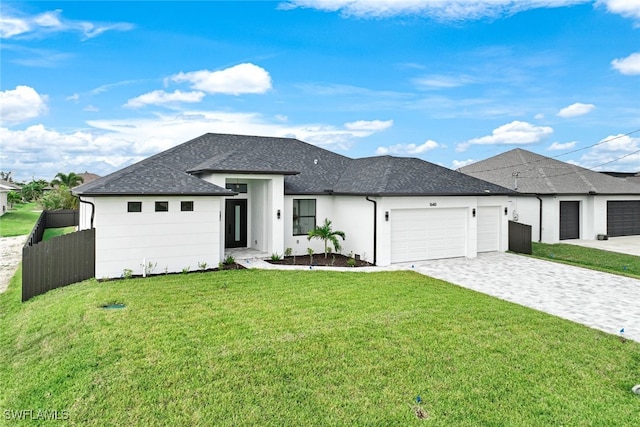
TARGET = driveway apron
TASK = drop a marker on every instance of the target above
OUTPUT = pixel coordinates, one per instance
(603, 301)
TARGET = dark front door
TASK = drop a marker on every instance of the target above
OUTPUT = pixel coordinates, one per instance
(236, 224)
(569, 220)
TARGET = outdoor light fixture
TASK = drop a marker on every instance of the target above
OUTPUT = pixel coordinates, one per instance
(278, 214)
(506, 210)
(386, 215)
(473, 212)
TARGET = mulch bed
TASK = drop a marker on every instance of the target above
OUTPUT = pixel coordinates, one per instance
(332, 260)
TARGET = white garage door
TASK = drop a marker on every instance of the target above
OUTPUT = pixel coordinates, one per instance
(419, 234)
(488, 228)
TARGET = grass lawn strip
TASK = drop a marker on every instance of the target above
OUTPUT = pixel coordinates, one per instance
(595, 259)
(254, 347)
(19, 220)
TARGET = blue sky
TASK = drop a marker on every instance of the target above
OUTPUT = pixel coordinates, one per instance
(96, 86)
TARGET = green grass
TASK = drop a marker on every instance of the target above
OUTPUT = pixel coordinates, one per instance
(278, 348)
(54, 232)
(596, 259)
(19, 221)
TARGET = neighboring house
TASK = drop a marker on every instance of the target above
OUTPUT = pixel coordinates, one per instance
(186, 205)
(5, 188)
(562, 201)
(88, 177)
(629, 176)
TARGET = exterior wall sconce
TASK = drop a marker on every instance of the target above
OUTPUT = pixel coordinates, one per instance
(473, 212)
(386, 215)
(506, 210)
(278, 214)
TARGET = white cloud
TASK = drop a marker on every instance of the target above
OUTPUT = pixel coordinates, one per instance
(21, 104)
(539, 116)
(14, 24)
(514, 133)
(577, 109)
(403, 149)
(91, 108)
(629, 66)
(626, 8)
(444, 10)
(107, 145)
(282, 118)
(236, 80)
(369, 125)
(457, 164)
(558, 146)
(160, 97)
(617, 152)
(442, 81)
(75, 97)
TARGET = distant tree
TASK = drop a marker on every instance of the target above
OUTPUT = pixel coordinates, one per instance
(326, 234)
(69, 180)
(58, 198)
(33, 190)
(6, 176)
(13, 197)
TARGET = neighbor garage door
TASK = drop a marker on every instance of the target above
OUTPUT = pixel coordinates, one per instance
(419, 234)
(569, 220)
(623, 218)
(488, 228)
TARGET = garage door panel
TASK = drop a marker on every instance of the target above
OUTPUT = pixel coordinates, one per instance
(418, 234)
(488, 228)
(623, 218)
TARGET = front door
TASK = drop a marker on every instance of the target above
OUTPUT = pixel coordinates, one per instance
(236, 223)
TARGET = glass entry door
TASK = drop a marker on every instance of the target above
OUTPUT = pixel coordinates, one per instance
(236, 223)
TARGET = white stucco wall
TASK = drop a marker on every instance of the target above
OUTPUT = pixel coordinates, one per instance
(173, 240)
(593, 214)
(4, 206)
(354, 216)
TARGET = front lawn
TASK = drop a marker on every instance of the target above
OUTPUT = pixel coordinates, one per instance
(20, 220)
(596, 259)
(277, 348)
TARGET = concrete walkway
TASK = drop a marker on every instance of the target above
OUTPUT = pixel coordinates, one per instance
(599, 300)
(623, 244)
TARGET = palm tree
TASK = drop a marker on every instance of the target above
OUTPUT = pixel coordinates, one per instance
(68, 180)
(326, 234)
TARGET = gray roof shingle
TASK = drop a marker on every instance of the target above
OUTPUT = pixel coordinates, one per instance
(308, 169)
(538, 174)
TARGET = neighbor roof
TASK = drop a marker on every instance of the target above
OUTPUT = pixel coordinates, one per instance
(8, 186)
(308, 169)
(537, 174)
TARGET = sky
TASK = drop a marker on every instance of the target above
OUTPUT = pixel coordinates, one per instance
(96, 86)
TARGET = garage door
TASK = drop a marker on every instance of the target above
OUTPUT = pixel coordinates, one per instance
(623, 218)
(488, 228)
(419, 234)
(569, 220)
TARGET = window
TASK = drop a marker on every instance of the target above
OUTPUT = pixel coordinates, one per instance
(304, 216)
(162, 206)
(238, 188)
(134, 207)
(186, 206)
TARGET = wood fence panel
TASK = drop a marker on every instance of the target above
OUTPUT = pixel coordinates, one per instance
(520, 238)
(58, 262)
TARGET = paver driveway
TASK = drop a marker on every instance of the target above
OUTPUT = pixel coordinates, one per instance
(599, 300)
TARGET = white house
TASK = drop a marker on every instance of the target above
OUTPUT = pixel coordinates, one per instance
(562, 201)
(187, 205)
(5, 188)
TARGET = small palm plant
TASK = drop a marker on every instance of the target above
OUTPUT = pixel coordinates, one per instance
(326, 234)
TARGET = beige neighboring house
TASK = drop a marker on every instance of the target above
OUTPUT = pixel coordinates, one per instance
(5, 188)
(562, 201)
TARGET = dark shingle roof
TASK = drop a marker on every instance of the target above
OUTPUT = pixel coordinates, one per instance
(308, 169)
(387, 175)
(538, 174)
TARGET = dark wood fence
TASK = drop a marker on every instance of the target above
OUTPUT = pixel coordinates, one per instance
(59, 261)
(519, 238)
